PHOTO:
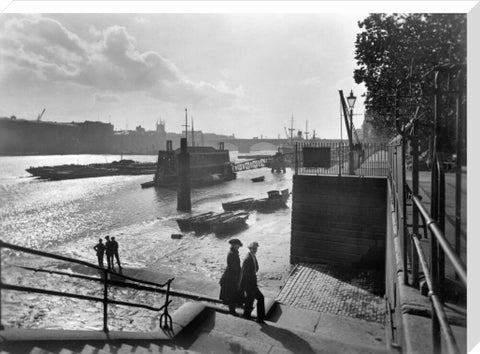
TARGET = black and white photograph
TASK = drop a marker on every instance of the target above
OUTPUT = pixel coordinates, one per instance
(236, 177)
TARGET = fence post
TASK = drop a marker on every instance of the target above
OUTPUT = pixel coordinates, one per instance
(105, 300)
(436, 339)
(296, 158)
(415, 260)
(458, 172)
(167, 318)
(1, 326)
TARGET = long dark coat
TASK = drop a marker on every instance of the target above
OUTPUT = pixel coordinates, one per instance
(248, 279)
(229, 291)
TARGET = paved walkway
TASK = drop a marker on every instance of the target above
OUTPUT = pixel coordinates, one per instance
(337, 290)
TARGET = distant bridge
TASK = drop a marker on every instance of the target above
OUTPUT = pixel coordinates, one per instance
(245, 145)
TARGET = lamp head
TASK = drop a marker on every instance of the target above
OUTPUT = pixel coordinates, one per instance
(351, 100)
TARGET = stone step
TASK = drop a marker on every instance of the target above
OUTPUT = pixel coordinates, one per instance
(37, 350)
(66, 351)
(360, 332)
(120, 348)
(155, 349)
(220, 333)
(89, 349)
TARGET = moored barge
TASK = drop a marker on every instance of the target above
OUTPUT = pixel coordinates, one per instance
(115, 168)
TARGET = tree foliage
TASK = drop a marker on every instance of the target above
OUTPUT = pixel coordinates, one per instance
(395, 55)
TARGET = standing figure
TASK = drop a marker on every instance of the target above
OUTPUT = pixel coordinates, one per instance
(109, 252)
(229, 283)
(248, 284)
(100, 249)
(115, 253)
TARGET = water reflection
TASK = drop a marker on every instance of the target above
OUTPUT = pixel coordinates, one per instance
(68, 217)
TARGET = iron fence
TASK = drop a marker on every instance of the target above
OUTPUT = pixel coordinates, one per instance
(407, 204)
(327, 158)
(165, 319)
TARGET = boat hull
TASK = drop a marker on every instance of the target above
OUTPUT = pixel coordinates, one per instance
(276, 200)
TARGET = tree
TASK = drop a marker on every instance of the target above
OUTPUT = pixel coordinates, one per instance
(396, 54)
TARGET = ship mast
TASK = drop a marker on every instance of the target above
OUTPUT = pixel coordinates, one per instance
(186, 125)
(193, 132)
(306, 130)
(291, 131)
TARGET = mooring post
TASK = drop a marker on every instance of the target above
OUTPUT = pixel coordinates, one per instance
(183, 187)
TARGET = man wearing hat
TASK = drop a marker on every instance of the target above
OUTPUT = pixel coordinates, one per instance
(229, 283)
(248, 284)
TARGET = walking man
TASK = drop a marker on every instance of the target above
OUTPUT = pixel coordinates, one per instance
(115, 253)
(248, 284)
(100, 249)
(109, 252)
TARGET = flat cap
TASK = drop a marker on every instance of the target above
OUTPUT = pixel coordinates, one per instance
(253, 245)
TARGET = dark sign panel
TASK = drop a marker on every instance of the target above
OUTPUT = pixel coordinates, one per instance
(316, 157)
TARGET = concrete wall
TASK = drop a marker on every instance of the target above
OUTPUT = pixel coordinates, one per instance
(339, 220)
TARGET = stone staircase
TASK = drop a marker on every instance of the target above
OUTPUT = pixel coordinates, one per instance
(205, 329)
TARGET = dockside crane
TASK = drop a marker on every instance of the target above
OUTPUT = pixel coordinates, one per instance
(39, 117)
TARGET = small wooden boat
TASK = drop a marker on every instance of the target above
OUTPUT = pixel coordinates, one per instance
(205, 225)
(185, 223)
(258, 179)
(148, 184)
(276, 199)
(230, 224)
(244, 204)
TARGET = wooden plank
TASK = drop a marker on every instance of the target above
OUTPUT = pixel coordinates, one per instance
(340, 226)
(333, 247)
(326, 256)
(372, 221)
(300, 236)
(339, 200)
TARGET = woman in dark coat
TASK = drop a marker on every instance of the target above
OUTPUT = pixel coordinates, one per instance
(230, 281)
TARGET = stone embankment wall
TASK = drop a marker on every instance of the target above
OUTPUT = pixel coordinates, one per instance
(339, 220)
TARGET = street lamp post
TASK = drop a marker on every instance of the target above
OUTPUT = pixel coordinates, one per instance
(351, 102)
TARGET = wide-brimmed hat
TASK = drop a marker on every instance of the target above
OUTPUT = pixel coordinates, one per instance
(253, 245)
(235, 241)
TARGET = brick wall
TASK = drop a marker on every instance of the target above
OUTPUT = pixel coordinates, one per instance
(339, 220)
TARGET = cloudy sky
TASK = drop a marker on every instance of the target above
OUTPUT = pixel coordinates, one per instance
(242, 74)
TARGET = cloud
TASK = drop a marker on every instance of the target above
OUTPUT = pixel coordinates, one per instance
(315, 81)
(140, 19)
(108, 60)
(105, 98)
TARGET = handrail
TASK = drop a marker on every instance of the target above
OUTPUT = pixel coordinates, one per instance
(165, 317)
(457, 263)
(436, 301)
(86, 277)
(183, 294)
(434, 275)
(76, 296)
(73, 260)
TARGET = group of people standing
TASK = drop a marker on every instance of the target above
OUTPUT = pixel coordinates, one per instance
(110, 248)
(239, 283)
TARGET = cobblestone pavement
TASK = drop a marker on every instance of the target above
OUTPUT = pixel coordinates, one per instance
(337, 290)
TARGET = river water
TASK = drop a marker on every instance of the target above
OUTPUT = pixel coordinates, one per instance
(67, 218)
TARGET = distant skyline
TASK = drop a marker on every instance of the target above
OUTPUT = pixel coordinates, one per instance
(242, 74)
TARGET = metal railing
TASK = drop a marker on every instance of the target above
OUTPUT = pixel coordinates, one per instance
(367, 159)
(413, 255)
(165, 320)
(251, 164)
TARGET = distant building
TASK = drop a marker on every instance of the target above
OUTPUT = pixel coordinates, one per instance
(28, 137)
(35, 137)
